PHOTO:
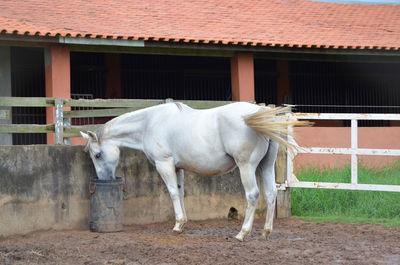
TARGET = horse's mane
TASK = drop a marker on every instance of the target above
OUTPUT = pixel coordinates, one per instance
(99, 132)
(179, 105)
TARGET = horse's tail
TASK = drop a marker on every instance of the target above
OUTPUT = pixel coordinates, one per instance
(273, 123)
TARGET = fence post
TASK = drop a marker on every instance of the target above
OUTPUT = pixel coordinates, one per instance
(282, 169)
(354, 158)
(58, 121)
(283, 196)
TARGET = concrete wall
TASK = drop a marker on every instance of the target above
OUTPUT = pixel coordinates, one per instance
(46, 187)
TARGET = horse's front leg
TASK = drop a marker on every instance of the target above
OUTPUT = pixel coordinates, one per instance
(166, 169)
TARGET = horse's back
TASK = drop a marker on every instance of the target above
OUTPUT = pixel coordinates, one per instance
(239, 140)
(187, 135)
(203, 141)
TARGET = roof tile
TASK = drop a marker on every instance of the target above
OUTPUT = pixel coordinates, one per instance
(299, 23)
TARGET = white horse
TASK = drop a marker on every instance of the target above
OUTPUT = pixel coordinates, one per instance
(210, 142)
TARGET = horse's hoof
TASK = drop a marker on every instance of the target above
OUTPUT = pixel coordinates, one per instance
(177, 231)
(266, 233)
(241, 235)
(178, 228)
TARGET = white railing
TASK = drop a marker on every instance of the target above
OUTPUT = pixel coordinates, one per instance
(354, 151)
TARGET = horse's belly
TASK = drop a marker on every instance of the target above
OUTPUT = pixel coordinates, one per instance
(214, 165)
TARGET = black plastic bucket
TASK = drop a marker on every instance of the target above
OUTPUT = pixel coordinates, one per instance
(106, 205)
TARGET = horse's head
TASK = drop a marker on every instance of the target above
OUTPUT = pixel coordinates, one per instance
(104, 154)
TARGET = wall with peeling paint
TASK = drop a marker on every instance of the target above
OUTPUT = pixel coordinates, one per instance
(46, 187)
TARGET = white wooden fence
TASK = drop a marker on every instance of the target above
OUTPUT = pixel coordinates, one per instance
(354, 151)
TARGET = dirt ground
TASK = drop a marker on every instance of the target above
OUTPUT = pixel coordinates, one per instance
(209, 242)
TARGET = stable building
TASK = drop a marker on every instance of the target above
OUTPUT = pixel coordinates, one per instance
(320, 56)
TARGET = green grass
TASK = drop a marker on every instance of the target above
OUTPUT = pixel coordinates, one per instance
(386, 222)
(347, 206)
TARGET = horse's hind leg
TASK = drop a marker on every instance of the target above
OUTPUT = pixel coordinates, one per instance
(181, 187)
(248, 177)
(267, 166)
(168, 174)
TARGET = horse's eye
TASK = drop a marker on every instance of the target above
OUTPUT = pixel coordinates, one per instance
(98, 155)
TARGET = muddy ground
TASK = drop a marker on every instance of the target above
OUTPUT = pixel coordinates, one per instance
(209, 242)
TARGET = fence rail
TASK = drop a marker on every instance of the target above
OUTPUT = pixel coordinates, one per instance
(354, 151)
(26, 102)
(62, 126)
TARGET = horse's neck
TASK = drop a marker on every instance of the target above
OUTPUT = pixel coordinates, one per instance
(127, 130)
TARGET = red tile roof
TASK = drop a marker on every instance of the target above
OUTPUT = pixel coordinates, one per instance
(290, 23)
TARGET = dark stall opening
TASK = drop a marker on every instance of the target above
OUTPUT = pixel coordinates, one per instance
(28, 80)
(344, 87)
(88, 81)
(177, 77)
(265, 81)
(88, 75)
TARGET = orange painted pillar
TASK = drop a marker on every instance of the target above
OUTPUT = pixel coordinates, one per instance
(58, 84)
(113, 78)
(242, 77)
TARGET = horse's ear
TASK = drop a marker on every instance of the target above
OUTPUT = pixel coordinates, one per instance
(89, 136)
(84, 135)
(92, 136)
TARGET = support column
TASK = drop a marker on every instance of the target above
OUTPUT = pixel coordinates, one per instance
(113, 78)
(58, 79)
(5, 91)
(242, 77)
